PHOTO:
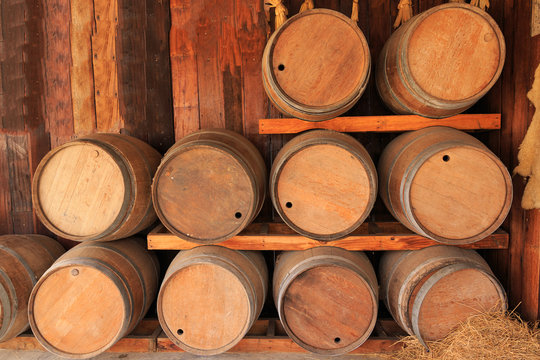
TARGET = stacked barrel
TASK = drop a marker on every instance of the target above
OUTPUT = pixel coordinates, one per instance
(96, 190)
(439, 182)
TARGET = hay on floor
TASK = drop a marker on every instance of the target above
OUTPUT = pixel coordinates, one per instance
(493, 336)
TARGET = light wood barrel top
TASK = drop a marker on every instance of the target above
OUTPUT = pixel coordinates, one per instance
(206, 306)
(81, 189)
(324, 189)
(459, 192)
(455, 40)
(79, 307)
(206, 192)
(452, 299)
(329, 307)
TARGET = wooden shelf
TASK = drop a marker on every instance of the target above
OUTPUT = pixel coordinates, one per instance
(370, 236)
(383, 123)
(266, 335)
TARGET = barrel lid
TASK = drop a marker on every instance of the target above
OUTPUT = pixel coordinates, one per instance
(329, 309)
(78, 310)
(320, 59)
(80, 190)
(455, 52)
(204, 308)
(453, 298)
(460, 193)
(324, 191)
(203, 193)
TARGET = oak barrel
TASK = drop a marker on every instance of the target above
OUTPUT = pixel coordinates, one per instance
(210, 297)
(210, 185)
(429, 292)
(316, 65)
(440, 62)
(445, 185)
(23, 259)
(96, 187)
(327, 298)
(92, 296)
(323, 184)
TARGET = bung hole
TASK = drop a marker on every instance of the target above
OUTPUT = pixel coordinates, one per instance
(337, 340)
(238, 215)
(179, 331)
(288, 204)
(281, 67)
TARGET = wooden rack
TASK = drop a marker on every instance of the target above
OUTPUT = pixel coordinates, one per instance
(370, 236)
(383, 123)
(266, 335)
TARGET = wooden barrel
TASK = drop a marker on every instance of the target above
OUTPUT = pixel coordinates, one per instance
(209, 186)
(445, 185)
(429, 292)
(327, 298)
(96, 187)
(210, 297)
(92, 296)
(316, 65)
(440, 62)
(323, 184)
(23, 259)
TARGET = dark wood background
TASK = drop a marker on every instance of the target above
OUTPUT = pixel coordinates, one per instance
(215, 58)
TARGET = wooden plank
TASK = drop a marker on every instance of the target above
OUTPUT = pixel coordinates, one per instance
(141, 340)
(159, 109)
(131, 67)
(82, 77)
(285, 345)
(383, 123)
(184, 50)
(6, 223)
(208, 25)
(12, 82)
(20, 183)
(104, 48)
(57, 58)
(278, 236)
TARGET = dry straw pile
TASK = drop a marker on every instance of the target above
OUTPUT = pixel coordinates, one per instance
(493, 336)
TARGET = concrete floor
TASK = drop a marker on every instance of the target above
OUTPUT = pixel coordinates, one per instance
(38, 355)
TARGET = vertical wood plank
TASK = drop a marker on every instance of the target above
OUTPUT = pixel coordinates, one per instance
(13, 32)
(20, 183)
(131, 62)
(82, 76)
(104, 48)
(183, 45)
(250, 31)
(6, 224)
(230, 67)
(58, 104)
(159, 109)
(209, 30)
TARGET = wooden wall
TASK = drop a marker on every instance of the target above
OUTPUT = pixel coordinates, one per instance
(69, 68)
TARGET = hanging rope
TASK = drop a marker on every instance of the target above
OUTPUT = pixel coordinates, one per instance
(482, 4)
(306, 5)
(280, 11)
(354, 14)
(404, 14)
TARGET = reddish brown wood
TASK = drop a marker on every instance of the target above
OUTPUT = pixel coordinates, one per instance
(278, 236)
(381, 123)
(57, 58)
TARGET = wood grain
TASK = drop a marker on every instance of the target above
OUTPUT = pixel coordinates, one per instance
(316, 65)
(105, 66)
(278, 236)
(92, 296)
(81, 72)
(382, 123)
